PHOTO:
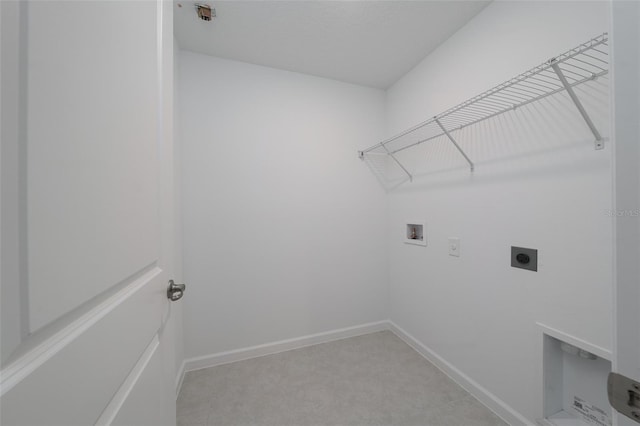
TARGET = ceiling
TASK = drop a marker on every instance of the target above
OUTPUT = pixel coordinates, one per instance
(371, 43)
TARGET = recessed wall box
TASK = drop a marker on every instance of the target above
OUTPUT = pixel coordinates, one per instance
(205, 12)
(415, 234)
(524, 258)
(575, 377)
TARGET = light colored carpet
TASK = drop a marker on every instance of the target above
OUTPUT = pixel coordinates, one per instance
(374, 379)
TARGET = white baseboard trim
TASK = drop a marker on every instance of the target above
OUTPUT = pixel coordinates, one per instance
(180, 377)
(492, 402)
(227, 357)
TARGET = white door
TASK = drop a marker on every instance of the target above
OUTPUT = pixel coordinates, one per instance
(626, 125)
(86, 213)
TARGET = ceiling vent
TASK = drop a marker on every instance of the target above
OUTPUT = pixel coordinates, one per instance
(205, 12)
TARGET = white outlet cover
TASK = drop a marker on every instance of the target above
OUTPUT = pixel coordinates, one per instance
(454, 247)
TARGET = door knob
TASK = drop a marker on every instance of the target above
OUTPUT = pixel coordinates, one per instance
(175, 291)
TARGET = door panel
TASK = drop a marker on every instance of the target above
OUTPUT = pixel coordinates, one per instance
(142, 402)
(10, 212)
(93, 233)
(91, 162)
(72, 380)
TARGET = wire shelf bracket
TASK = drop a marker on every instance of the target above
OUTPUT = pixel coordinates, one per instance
(572, 94)
(453, 141)
(584, 63)
(393, 157)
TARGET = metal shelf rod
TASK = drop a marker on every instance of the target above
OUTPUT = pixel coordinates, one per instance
(589, 63)
(499, 103)
(521, 91)
(541, 68)
(597, 59)
(498, 113)
(552, 83)
(580, 68)
(484, 106)
(583, 63)
(565, 71)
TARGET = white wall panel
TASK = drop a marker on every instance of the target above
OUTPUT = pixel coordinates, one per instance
(283, 225)
(538, 183)
(78, 148)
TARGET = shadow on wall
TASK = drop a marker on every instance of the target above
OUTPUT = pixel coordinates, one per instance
(379, 164)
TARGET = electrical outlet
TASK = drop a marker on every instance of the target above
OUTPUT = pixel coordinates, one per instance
(454, 247)
(524, 258)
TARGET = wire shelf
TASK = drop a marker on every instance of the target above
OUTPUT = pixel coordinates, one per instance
(572, 68)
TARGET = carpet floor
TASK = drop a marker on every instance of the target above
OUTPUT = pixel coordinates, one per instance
(375, 379)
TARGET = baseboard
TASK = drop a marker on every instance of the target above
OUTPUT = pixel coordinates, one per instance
(180, 377)
(227, 357)
(492, 402)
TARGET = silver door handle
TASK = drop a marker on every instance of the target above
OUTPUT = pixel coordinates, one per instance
(624, 395)
(175, 291)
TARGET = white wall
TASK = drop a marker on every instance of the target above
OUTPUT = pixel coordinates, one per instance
(538, 183)
(282, 223)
